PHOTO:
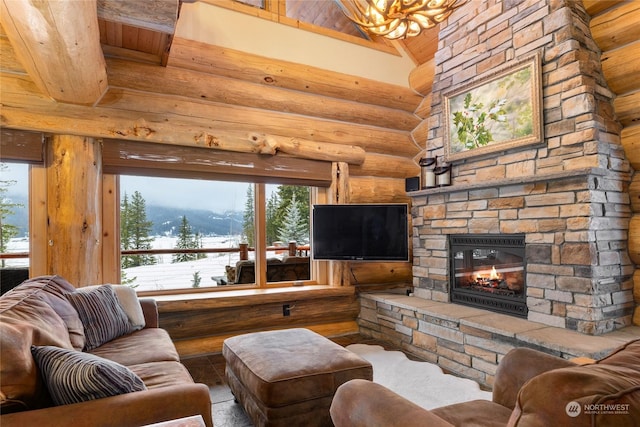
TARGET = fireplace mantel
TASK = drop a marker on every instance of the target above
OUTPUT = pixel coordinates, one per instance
(547, 177)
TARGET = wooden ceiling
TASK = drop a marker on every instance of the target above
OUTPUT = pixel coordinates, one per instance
(149, 39)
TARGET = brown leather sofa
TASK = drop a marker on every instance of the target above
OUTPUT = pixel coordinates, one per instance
(37, 313)
(531, 389)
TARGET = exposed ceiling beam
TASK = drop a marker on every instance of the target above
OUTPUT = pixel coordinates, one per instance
(58, 43)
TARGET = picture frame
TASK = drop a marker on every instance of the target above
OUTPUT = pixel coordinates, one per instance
(500, 110)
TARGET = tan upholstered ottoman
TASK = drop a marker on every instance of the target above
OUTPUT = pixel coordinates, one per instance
(288, 377)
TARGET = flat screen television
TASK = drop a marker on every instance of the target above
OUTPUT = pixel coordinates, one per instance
(360, 232)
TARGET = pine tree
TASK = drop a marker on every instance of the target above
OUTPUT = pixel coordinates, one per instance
(271, 226)
(288, 195)
(186, 240)
(248, 220)
(293, 228)
(7, 231)
(135, 230)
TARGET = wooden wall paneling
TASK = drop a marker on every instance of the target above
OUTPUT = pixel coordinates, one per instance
(67, 35)
(621, 67)
(214, 88)
(235, 64)
(74, 211)
(617, 26)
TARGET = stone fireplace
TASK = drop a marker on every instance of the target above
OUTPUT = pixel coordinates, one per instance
(567, 197)
(488, 271)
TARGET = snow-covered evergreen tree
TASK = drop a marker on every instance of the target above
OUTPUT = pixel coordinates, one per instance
(294, 227)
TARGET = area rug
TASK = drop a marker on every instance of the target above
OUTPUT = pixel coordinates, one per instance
(422, 383)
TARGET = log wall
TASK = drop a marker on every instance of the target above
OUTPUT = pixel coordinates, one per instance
(616, 31)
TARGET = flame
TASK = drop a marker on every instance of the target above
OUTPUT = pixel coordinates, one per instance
(494, 274)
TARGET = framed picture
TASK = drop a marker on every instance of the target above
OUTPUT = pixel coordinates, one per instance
(498, 111)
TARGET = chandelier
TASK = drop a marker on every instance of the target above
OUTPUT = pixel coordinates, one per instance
(398, 19)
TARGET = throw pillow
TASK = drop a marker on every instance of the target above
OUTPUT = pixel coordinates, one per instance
(72, 376)
(129, 302)
(101, 315)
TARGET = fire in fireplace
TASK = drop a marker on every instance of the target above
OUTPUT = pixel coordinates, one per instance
(488, 271)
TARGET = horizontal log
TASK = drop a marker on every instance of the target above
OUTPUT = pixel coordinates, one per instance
(385, 166)
(630, 140)
(424, 109)
(634, 193)
(421, 77)
(270, 144)
(621, 67)
(627, 108)
(10, 62)
(164, 119)
(222, 61)
(213, 344)
(234, 118)
(380, 190)
(634, 239)
(193, 84)
(617, 26)
(157, 15)
(381, 272)
(58, 44)
(420, 134)
(202, 323)
(594, 7)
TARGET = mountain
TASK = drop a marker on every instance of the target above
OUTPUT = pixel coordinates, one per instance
(165, 219)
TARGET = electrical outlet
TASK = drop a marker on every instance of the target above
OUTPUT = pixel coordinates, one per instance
(286, 310)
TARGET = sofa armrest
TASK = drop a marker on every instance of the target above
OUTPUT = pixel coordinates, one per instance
(126, 410)
(150, 311)
(519, 366)
(362, 403)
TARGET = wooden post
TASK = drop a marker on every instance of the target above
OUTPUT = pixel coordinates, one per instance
(74, 209)
(244, 251)
(293, 248)
(339, 194)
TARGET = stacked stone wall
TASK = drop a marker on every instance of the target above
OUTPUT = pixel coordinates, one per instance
(568, 194)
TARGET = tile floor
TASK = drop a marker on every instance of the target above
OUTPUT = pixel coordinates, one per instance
(210, 370)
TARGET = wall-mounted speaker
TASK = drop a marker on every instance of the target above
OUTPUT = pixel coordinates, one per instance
(412, 184)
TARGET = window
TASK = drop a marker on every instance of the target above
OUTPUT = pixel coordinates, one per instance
(14, 223)
(179, 234)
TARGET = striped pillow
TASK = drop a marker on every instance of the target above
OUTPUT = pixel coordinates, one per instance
(72, 376)
(101, 315)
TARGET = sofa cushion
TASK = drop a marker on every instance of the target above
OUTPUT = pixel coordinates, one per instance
(569, 394)
(41, 303)
(146, 345)
(162, 374)
(101, 314)
(73, 377)
(129, 302)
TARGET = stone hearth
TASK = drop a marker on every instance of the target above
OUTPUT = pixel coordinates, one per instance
(567, 195)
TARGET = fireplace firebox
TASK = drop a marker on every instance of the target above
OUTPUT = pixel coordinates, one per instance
(488, 271)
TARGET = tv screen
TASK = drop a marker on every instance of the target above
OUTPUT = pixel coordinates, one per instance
(366, 232)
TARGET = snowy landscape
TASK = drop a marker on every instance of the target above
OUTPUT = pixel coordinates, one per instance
(165, 274)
